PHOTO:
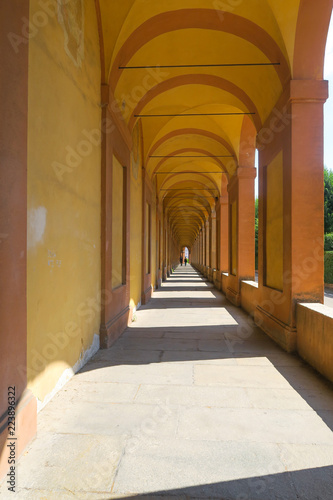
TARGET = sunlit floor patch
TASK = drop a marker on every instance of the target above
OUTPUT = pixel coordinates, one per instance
(185, 316)
(186, 294)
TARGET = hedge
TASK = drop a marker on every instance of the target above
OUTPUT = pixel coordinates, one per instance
(328, 276)
(328, 242)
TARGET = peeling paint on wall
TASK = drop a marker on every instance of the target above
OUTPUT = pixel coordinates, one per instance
(71, 19)
(36, 226)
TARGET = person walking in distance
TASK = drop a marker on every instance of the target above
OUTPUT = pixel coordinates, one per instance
(181, 259)
(185, 261)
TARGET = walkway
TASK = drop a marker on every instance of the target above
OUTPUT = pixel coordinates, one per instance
(192, 401)
(328, 300)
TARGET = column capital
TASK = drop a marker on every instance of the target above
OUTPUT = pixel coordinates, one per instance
(246, 172)
(241, 173)
(224, 200)
(308, 91)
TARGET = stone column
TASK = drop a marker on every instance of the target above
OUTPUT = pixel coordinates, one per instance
(203, 245)
(242, 245)
(207, 260)
(13, 228)
(291, 204)
(213, 240)
(246, 217)
(224, 232)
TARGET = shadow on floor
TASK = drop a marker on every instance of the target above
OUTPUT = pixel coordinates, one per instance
(294, 485)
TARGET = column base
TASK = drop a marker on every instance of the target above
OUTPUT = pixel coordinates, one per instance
(112, 330)
(218, 281)
(233, 296)
(146, 295)
(159, 279)
(281, 333)
(210, 274)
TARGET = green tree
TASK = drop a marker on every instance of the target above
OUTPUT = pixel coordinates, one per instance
(328, 200)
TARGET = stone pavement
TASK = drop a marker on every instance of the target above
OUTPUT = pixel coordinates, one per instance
(192, 401)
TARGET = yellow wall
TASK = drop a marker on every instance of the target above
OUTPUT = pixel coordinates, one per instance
(274, 224)
(136, 231)
(63, 192)
(117, 223)
(234, 238)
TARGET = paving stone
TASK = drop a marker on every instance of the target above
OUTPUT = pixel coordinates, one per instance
(126, 356)
(106, 392)
(194, 396)
(159, 344)
(201, 468)
(276, 399)
(253, 425)
(270, 359)
(109, 419)
(198, 357)
(71, 462)
(235, 376)
(306, 456)
(149, 373)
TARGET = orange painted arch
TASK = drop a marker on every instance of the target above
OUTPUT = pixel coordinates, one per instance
(208, 19)
(197, 79)
(184, 172)
(191, 150)
(192, 131)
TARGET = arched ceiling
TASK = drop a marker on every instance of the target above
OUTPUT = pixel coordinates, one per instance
(217, 55)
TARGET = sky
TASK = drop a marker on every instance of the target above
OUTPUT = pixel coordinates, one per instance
(328, 108)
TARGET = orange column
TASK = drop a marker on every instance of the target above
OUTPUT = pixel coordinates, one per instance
(306, 186)
(198, 254)
(13, 228)
(213, 240)
(224, 233)
(246, 216)
(223, 221)
(242, 234)
(207, 261)
(203, 243)
(295, 146)
(201, 247)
